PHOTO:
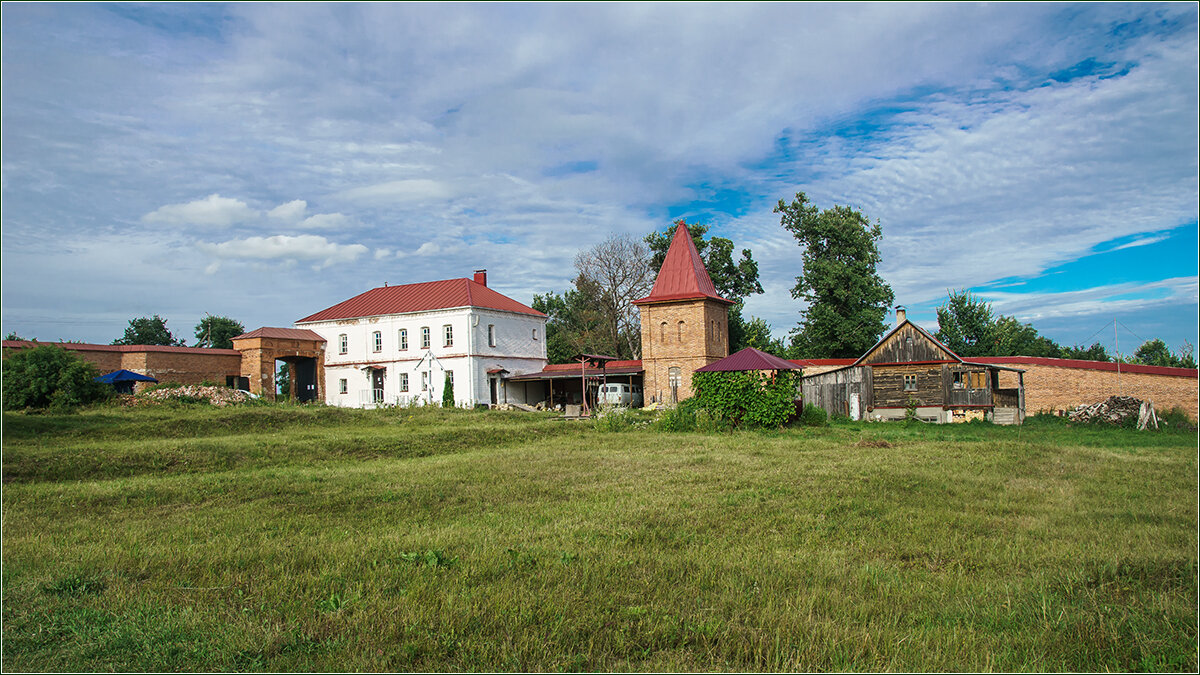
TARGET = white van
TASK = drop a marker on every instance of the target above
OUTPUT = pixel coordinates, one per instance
(627, 395)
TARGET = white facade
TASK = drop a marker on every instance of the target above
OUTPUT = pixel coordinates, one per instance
(376, 352)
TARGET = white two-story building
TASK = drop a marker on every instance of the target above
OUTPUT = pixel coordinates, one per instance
(396, 344)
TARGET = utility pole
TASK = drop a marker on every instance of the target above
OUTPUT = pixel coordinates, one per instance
(1117, 345)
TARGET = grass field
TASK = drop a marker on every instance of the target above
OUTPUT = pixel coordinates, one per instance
(289, 538)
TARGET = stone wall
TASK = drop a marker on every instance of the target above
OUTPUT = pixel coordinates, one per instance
(1055, 389)
(185, 365)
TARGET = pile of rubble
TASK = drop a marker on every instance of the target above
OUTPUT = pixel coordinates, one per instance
(218, 396)
(1116, 410)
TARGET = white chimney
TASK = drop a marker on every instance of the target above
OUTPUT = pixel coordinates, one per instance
(900, 314)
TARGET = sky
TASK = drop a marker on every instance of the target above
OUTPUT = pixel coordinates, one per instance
(266, 161)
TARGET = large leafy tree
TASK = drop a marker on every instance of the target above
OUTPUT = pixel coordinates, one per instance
(734, 280)
(50, 376)
(578, 323)
(614, 273)
(217, 332)
(1096, 352)
(148, 331)
(969, 327)
(847, 299)
(1157, 353)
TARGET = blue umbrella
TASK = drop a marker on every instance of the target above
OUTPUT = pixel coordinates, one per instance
(124, 376)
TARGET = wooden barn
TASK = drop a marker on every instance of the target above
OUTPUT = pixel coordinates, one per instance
(909, 368)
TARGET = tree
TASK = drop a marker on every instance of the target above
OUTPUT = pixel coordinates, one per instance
(148, 331)
(48, 376)
(283, 381)
(12, 335)
(612, 274)
(217, 332)
(847, 299)
(733, 281)
(1157, 353)
(1096, 352)
(757, 334)
(968, 327)
(448, 392)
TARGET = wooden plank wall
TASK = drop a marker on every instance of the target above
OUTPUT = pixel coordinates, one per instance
(889, 385)
(831, 391)
(907, 345)
(965, 395)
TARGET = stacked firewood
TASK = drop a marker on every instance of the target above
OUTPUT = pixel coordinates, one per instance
(1116, 410)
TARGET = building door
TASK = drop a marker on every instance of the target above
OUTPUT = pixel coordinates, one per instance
(493, 382)
(304, 372)
(674, 379)
(377, 385)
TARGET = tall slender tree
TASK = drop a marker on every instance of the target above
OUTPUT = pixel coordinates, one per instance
(847, 299)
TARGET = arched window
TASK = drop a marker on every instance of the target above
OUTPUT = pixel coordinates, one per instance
(680, 331)
(662, 332)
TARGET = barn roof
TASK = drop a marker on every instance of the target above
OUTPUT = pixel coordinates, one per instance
(430, 295)
(748, 359)
(682, 275)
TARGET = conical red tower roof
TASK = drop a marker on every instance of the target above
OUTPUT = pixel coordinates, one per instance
(682, 275)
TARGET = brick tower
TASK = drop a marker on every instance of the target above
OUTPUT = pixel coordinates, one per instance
(685, 324)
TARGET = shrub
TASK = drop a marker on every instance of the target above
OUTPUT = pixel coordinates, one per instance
(814, 416)
(448, 392)
(680, 418)
(1175, 419)
(750, 397)
(50, 376)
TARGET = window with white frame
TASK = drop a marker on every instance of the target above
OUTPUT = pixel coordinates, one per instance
(491, 335)
(402, 339)
(403, 382)
(450, 377)
(424, 337)
(343, 343)
(425, 381)
(378, 338)
(343, 386)
(447, 335)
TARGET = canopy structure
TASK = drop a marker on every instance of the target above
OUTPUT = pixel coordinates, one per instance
(748, 359)
(124, 376)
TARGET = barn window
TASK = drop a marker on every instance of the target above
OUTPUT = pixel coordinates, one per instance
(977, 380)
(403, 339)
(447, 336)
(403, 381)
(958, 380)
(424, 337)
(378, 338)
(343, 387)
(343, 344)
(910, 383)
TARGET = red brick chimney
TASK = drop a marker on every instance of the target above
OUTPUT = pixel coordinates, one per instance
(481, 277)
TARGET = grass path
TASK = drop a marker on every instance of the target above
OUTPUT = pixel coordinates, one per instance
(316, 539)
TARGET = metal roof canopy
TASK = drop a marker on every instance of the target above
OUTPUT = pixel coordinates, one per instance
(748, 359)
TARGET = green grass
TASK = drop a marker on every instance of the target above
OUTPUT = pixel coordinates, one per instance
(290, 538)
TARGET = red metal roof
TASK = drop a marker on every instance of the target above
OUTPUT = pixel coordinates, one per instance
(558, 371)
(1086, 365)
(682, 275)
(419, 298)
(823, 362)
(281, 334)
(636, 363)
(125, 349)
(748, 359)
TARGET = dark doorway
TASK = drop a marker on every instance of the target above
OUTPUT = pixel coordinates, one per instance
(377, 385)
(304, 371)
(493, 381)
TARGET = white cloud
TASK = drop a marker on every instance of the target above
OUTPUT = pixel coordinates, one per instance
(322, 221)
(212, 211)
(382, 253)
(1105, 299)
(289, 212)
(410, 190)
(288, 248)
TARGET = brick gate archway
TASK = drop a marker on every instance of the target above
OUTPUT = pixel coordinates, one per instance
(303, 351)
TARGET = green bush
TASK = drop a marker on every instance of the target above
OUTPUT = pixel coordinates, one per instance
(1175, 419)
(680, 418)
(752, 398)
(50, 376)
(814, 416)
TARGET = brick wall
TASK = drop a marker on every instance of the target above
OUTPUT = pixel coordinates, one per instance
(184, 368)
(702, 338)
(1053, 388)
